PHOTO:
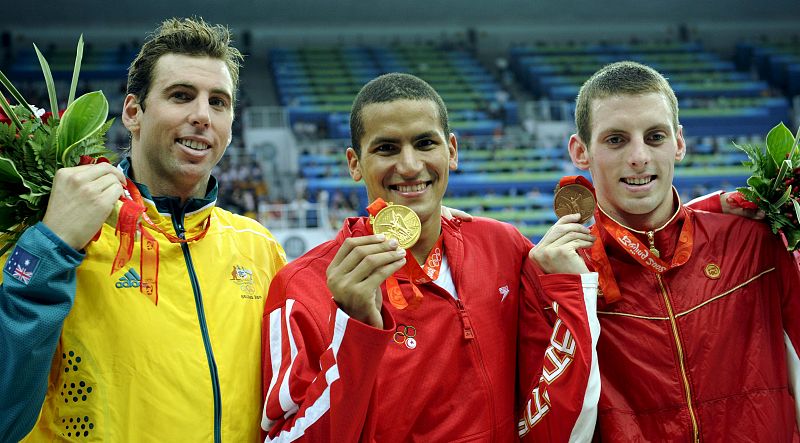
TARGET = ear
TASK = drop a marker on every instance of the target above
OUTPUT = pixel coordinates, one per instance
(579, 153)
(354, 165)
(131, 113)
(681, 152)
(452, 148)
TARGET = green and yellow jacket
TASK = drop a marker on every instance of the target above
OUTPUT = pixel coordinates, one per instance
(123, 368)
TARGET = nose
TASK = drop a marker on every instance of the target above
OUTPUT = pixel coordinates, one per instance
(639, 155)
(409, 164)
(200, 115)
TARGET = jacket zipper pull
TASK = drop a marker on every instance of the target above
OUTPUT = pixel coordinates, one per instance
(652, 240)
(468, 333)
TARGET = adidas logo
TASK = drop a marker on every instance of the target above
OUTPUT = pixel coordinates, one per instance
(131, 279)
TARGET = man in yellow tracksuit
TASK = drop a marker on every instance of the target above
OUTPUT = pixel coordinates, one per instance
(86, 356)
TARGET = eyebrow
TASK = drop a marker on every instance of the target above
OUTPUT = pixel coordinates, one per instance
(194, 88)
(394, 140)
(660, 126)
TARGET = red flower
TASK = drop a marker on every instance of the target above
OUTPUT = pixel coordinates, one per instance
(737, 200)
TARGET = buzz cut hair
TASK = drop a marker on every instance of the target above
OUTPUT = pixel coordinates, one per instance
(389, 88)
(620, 78)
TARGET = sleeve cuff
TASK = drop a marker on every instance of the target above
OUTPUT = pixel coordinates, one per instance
(63, 248)
(368, 335)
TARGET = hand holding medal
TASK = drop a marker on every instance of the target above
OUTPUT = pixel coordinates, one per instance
(398, 222)
(557, 252)
(573, 196)
(362, 264)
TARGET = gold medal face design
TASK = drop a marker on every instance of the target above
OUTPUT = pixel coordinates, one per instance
(398, 222)
(574, 199)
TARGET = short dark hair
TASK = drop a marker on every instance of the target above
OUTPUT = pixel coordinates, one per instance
(185, 36)
(620, 78)
(388, 88)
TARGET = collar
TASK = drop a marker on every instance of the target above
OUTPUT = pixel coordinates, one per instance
(665, 236)
(193, 213)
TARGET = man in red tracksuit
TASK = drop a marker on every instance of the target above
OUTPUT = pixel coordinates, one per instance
(353, 351)
(699, 311)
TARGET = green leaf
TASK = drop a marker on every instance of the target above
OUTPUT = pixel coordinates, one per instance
(792, 239)
(84, 117)
(7, 109)
(759, 184)
(14, 93)
(8, 172)
(48, 80)
(786, 166)
(76, 71)
(779, 143)
(784, 198)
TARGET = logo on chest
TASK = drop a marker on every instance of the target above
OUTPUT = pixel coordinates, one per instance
(504, 291)
(130, 279)
(405, 335)
(243, 278)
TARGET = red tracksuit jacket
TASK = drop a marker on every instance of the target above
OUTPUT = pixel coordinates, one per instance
(330, 378)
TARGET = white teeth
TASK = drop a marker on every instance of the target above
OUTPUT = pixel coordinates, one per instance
(197, 146)
(412, 188)
(638, 181)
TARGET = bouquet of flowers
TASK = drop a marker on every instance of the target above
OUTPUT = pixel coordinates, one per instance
(35, 144)
(774, 186)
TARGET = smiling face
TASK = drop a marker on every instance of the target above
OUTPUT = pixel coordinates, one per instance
(405, 156)
(184, 126)
(631, 155)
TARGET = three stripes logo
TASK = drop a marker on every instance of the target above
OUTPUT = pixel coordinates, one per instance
(131, 279)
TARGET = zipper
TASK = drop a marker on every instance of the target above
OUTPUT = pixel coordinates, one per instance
(201, 316)
(686, 388)
(469, 334)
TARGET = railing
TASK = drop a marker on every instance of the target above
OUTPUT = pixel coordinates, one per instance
(298, 214)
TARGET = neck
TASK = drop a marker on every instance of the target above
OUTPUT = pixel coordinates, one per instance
(427, 238)
(641, 223)
(165, 188)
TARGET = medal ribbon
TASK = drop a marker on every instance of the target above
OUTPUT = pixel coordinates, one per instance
(127, 224)
(417, 275)
(631, 244)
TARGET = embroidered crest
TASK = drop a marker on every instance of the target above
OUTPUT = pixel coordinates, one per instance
(405, 335)
(22, 265)
(712, 271)
(243, 277)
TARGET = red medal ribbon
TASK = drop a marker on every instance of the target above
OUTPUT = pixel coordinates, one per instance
(417, 275)
(576, 180)
(631, 244)
(128, 224)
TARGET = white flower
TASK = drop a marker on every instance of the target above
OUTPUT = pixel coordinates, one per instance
(37, 111)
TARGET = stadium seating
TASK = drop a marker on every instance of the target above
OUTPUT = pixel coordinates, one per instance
(317, 85)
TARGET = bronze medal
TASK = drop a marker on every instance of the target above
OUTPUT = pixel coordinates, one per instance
(398, 222)
(574, 199)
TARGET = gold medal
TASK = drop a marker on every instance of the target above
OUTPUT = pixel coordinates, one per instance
(574, 199)
(398, 222)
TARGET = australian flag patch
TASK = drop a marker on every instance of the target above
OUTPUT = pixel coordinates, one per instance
(21, 265)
